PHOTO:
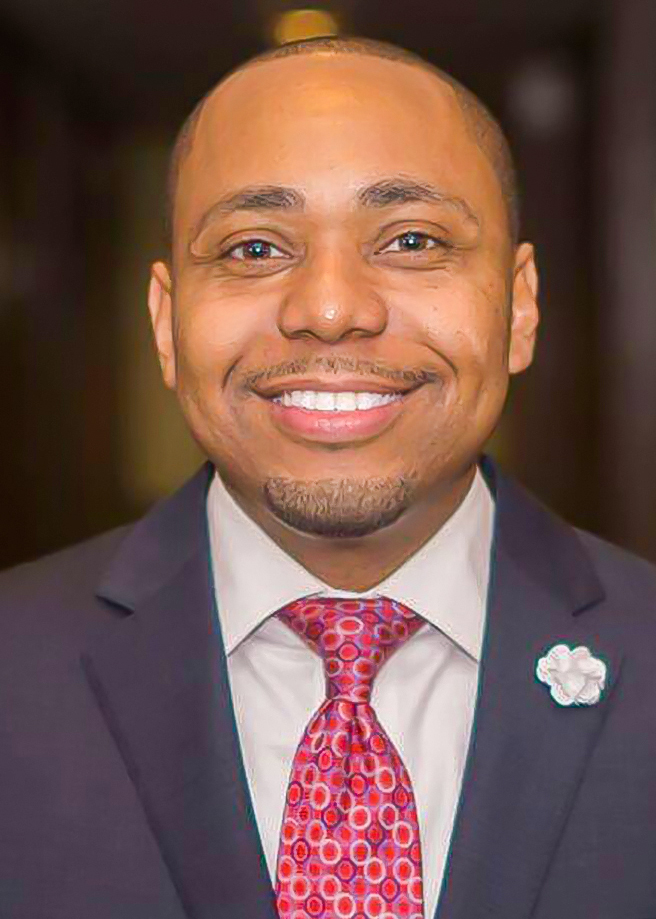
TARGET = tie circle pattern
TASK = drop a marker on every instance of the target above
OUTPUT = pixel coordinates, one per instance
(349, 843)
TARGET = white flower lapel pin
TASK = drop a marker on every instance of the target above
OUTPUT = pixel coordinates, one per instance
(574, 675)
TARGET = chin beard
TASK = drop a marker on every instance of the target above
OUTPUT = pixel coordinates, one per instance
(339, 507)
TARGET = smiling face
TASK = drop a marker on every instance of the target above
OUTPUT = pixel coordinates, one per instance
(337, 227)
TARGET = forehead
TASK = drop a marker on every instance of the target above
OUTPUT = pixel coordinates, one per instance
(328, 124)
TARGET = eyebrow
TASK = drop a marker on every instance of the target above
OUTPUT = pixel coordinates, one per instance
(389, 192)
(384, 193)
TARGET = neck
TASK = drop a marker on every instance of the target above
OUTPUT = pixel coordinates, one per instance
(358, 564)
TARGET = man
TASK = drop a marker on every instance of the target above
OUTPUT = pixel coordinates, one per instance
(351, 669)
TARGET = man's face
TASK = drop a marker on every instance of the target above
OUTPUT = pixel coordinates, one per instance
(337, 224)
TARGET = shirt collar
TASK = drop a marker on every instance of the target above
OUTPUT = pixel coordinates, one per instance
(445, 581)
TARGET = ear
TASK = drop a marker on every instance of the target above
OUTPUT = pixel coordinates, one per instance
(525, 313)
(161, 317)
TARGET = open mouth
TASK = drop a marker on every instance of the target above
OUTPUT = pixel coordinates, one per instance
(336, 416)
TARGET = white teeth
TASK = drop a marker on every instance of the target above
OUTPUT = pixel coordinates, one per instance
(346, 402)
(364, 400)
(325, 401)
(335, 402)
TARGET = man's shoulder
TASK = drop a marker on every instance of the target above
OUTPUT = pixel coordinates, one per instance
(624, 574)
(66, 568)
(65, 594)
(535, 530)
(58, 588)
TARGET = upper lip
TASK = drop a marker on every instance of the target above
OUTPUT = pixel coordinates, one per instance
(343, 384)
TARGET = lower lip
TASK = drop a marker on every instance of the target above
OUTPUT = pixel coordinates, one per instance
(333, 427)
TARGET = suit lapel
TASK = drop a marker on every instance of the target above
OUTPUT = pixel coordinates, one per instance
(527, 755)
(159, 674)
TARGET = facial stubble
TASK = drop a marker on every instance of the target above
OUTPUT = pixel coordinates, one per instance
(340, 508)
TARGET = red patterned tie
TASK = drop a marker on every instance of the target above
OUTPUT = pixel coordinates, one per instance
(349, 842)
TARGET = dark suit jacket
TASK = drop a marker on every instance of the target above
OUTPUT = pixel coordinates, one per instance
(123, 793)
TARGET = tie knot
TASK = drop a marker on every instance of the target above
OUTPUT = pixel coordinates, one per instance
(354, 638)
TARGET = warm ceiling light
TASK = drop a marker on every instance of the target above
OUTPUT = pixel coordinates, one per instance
(295, 25)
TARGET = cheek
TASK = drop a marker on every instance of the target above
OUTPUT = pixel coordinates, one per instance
(210, 336)
(466, 322)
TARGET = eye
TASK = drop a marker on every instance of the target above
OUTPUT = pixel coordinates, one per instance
(255, 250)
(412, 241)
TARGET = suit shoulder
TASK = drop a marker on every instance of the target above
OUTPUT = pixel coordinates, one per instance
(67, 573)
(623, 573)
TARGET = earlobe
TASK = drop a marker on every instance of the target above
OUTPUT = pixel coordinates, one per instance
(525, 312)
(161, 317)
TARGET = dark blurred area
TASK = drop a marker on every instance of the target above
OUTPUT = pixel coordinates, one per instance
(91, 95)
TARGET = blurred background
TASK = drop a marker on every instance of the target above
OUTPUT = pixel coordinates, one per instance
(91, 95)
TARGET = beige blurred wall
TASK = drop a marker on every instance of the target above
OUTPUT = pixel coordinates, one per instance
(156, 451)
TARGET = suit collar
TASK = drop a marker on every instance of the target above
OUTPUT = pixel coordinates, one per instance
(159, 544)
(539, 542)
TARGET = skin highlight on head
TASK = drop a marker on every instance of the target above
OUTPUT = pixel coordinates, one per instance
(336, 216)
(484, 127)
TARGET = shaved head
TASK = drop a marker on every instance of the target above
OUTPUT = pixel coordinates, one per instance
(481, 123)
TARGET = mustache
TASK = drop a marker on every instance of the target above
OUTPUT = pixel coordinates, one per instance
(342, 364)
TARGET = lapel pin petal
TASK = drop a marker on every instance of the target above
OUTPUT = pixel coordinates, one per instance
(574, 675)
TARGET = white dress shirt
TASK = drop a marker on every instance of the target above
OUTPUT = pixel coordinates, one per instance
(423, 696)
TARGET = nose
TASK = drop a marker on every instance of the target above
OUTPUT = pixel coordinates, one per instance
(332, 297)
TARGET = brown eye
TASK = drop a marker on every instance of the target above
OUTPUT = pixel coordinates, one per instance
(254, 250)
(412, 241)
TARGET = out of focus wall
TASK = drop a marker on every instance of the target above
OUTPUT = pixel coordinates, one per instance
(155, 451)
